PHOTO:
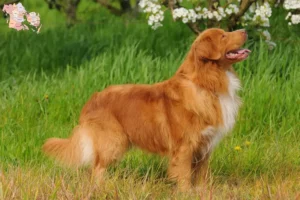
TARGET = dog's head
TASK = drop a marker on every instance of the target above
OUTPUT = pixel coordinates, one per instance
(220, 46)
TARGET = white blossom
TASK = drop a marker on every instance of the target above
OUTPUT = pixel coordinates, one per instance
(217, 14)
(266, 34)
(155, 10)
(155, 20)
(258, 13)
(142, 4)
(156, 25)
(210, 15)
(228, 11)
(17, 16)
(187, 15)
(246, 17)
(20, 8)
(232, 8)
(198, 8)
(262, 15)
(180, 12)
(271, 44)
(204, 13)
(291, 4)
(185, 20)
(288, 16)
(295, 19)
(221, 12)
(252, 8)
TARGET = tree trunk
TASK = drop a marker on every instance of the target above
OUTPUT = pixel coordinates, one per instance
(136, 8)
(244, 6)
(212, 5)
(69, 7)
(125, 5)
(71, 12)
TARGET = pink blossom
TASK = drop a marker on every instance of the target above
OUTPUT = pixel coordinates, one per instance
(16, 25)
(33, 19)
(20, 8)
(8, 9)
(17, 15)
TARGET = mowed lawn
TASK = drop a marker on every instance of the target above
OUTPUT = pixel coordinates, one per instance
(45, 80)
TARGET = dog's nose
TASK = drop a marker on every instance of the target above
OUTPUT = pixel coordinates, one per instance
(244, 32)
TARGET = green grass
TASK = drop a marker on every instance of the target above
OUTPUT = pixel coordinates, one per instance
(46, 79)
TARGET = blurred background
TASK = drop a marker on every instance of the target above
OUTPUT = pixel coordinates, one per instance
(74, 31)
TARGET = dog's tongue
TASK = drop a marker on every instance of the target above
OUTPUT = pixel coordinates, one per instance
(242, 51)
(238, 54)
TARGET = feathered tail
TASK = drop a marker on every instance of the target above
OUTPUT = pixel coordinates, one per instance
(74, 151)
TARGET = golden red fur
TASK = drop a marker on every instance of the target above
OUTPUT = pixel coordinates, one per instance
(182, 117)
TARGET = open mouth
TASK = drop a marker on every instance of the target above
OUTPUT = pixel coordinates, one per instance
(238, 54)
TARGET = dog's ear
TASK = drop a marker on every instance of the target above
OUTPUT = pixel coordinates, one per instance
(206, 50)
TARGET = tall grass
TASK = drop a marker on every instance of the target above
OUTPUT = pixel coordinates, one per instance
(46, 79)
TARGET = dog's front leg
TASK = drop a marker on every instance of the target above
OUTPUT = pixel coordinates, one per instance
(180, 167)
(201, 171)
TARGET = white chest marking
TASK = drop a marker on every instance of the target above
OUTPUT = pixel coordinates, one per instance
(230, 103)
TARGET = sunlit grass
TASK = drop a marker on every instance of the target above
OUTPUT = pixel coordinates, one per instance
(43, 182)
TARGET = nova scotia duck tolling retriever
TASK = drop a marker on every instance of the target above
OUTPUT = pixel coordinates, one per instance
(182, 118)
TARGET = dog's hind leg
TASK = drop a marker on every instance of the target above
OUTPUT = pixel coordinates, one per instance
(110, 145)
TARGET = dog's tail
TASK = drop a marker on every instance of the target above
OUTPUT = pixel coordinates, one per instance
(74, 151)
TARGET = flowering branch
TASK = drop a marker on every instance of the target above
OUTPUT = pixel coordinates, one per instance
(244, 6)
(20, 19)
(172, 5)
(230, 13)
(294, 15)
(194, 27)
(212, 6)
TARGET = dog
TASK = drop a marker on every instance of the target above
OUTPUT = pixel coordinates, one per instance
(183, 117)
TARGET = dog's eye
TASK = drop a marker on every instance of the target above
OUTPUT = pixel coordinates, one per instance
(223, 36)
